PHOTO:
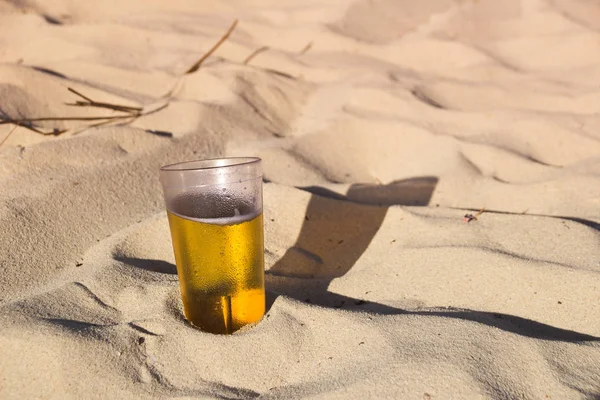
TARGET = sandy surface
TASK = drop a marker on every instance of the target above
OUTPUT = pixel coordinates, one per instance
(380, 124)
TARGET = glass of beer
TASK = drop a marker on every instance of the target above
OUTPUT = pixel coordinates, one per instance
(215, 215)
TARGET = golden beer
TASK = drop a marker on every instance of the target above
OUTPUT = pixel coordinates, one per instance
(215, 214)
(220, 266)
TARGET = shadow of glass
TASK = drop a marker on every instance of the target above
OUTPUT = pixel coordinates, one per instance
(339, 228)
(334, 235)
(406, 192)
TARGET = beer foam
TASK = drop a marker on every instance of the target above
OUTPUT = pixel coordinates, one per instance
(236, 219)
(215, 208)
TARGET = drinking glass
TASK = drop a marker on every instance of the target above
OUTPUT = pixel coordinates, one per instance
(215, 215)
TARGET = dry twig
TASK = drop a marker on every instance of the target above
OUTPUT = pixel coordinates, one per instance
(91, 103)
(129, 112)
(306, 48)
(255, 53)
(198, 63)
(7, 136)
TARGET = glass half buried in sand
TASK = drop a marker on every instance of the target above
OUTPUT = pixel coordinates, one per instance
(215, 215)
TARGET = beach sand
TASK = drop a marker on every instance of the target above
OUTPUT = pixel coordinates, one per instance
(380, 123)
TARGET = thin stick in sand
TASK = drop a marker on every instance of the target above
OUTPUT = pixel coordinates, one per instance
(255, 53)
(91, 103)
(7, 136)
(306, 48)
(131, 112)
(198, 63)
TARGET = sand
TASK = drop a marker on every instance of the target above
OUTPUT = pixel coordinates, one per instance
(380, 124)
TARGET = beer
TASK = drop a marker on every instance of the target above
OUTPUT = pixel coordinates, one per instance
(220, 266)
(215, 213)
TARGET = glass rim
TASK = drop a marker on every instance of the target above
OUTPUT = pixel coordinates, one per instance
(210, 163)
